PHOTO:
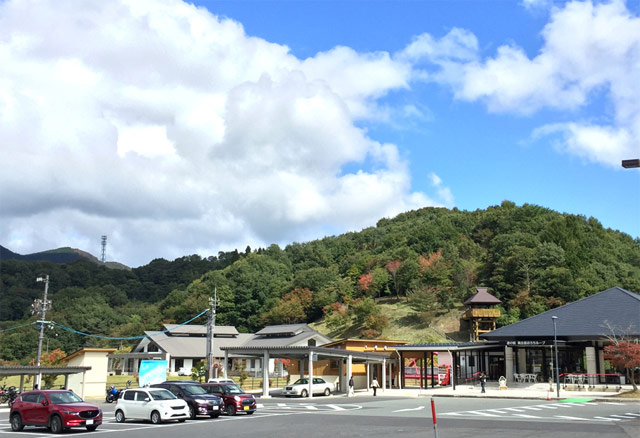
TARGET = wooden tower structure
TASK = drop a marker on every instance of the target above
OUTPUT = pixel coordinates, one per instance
(481, 313)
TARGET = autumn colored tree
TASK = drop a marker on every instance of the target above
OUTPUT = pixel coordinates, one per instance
(365, 281)
(624, 354)
(52, 359)
(292, 308)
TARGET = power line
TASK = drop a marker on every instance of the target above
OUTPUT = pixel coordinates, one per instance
(125, 338)
(120, 338)
(18, 326)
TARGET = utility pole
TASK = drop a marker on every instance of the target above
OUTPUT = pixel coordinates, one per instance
(211, 326)
(41, 306)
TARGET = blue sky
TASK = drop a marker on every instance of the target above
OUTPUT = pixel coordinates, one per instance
(483, 157)
(177, 128)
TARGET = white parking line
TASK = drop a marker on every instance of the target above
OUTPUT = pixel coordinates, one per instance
(607, 419)
(622, 416)
(526, 416)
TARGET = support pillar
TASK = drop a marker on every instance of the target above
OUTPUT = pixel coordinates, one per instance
(349, 371)
(265, 375)
(341, 379)
(508, 363)
(384, 374)
(591, 361)
(226, 363)
(310, 374)
(521, 355)
(367, 366)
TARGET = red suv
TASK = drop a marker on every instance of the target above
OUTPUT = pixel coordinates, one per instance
(235, 399)
(58, 410)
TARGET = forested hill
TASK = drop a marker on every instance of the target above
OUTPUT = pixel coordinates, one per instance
(530, 257)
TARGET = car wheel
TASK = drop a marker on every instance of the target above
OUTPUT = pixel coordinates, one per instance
(192, 413)
(304, 393)
(327, 391)
(155, 417)
(16, 423)
(92, 428)
(55, 424)
(119, 416)
(231, 410)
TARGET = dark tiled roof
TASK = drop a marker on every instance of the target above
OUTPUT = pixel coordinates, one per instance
(482, 297)
(614, 310)
(284, 330)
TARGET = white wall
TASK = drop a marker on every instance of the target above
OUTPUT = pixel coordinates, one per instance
(95, 380)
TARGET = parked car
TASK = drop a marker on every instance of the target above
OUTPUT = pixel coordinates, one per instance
(301, 387)
(153, 404)
(58, 410)
(234, 398)
(184, 371)
(199, 402)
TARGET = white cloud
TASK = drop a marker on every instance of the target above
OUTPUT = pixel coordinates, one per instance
(172, 131)
(444, 193)
(588, 50)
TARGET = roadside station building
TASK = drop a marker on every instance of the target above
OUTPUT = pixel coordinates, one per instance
(524, 351)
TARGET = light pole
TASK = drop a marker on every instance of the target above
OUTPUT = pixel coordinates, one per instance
(41, 306)
(555, 347)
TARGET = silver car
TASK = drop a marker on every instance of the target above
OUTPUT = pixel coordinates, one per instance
(301, 387)
(153, 404)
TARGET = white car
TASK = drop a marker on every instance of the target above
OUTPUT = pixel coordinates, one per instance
(301, 387)
(184, 371)
(153, 404)
(220, 380)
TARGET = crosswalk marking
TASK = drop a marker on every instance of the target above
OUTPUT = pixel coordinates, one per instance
(621, 416)
(566, 417)
(513, 409)
(526, 416)
(631, 413)
(483, 414)
(531, 408)
(607, 418)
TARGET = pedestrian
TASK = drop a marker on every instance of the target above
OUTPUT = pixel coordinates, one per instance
(351, 392)
(374, 385)
(483, 382)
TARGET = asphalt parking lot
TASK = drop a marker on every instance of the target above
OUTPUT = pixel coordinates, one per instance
(384, 417)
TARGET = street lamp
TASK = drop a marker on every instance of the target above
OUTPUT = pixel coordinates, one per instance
(555, 347)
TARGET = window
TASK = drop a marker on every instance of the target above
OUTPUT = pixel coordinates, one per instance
(141, 396)
(129, 395)
(311, 343)
(179, 364)
(30, 398)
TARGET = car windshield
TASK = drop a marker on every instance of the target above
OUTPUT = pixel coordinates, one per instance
(194, 389)
(302, 382)
(59, 398)
(232, 389)
(162, 394)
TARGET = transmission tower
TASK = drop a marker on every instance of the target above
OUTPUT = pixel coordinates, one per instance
(104, 250)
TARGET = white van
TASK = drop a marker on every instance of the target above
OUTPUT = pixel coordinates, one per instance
(220, 381)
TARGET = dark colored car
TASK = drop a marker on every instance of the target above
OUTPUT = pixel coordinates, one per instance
(58, 410)
(200, 403)
(235, 399)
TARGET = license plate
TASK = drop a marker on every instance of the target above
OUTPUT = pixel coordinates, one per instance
(246, 408)
(215, 408)
(89, 422)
